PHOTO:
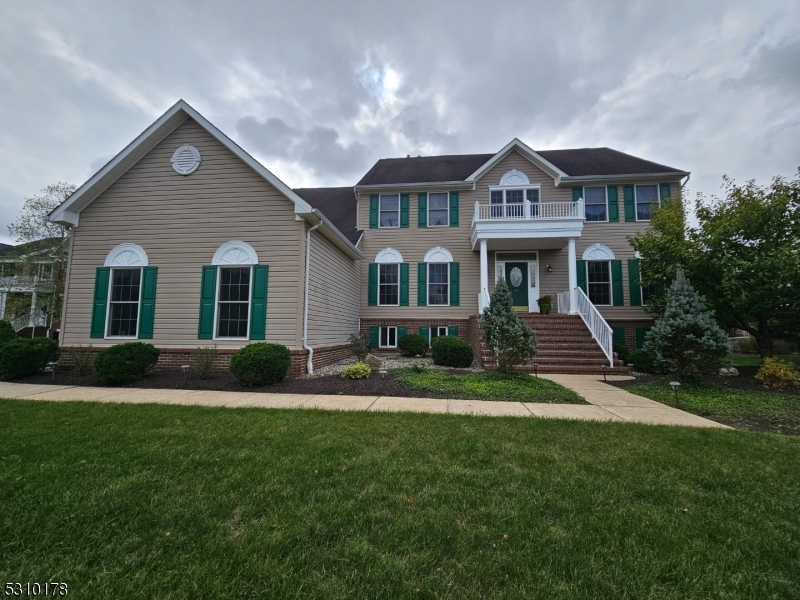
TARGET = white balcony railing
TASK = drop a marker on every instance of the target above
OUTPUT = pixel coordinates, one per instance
(39, 320)
(600, 330)
(529, 211)
(24, 281)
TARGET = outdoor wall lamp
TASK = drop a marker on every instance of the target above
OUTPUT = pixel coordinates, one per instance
(549, 268)
(675, 385)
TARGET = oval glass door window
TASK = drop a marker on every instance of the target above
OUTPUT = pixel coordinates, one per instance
(516, 277)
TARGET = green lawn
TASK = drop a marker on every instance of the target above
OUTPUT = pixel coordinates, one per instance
(754, 360)
(752, 409)
(158, 501)
(488, 385)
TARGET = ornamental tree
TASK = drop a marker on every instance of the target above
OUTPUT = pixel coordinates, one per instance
(512, 341)
(687, 340)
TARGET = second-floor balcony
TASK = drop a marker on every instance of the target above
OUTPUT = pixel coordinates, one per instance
(26, 283)
(512, 225)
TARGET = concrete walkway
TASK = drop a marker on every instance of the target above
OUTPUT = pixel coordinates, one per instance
(606, 403)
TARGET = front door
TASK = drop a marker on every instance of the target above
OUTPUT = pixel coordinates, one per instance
(517, 280)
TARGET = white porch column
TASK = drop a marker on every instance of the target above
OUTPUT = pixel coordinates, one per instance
(573, 277)
(484, 275)
(2, 305)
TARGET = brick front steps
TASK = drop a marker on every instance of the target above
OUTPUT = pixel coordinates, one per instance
(564, 345)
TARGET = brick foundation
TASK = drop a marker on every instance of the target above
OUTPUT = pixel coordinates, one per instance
(174, 358)
(630, 330)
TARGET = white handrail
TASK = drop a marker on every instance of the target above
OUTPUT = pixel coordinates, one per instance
(527, 211)
(29, 321)
(600, 330)
(563, 302)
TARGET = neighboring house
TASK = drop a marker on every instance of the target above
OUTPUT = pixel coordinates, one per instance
(27, 285)
(185, 240)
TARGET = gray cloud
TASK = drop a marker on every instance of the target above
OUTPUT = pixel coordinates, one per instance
(319, 91)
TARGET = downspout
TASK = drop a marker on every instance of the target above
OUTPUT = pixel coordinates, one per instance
(310, 363)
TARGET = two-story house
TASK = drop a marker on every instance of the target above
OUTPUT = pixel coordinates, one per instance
(186, 240)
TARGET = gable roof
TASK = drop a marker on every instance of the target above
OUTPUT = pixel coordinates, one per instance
(339, 204)
(562, 165)
(424, 169)
(68, 212)
(10, 251)
(584, 162)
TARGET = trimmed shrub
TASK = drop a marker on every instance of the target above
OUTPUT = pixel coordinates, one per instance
(778, 374)
(260, 364)
(622, 352)
(686, 341)
(359, 345)
(357, 370)
(124, 363)
(413, 344)
(645, 362)
(201, 365)
(450, 351)
(545, 302)
(23, 356)
(7, 332)
(511, 340)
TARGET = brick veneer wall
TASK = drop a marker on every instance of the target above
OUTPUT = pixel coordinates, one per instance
(174, 358)
(630, 330)
(413, 325)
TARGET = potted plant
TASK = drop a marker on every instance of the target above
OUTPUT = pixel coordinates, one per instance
(545, 302)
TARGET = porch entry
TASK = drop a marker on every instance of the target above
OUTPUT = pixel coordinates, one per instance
(521, 272)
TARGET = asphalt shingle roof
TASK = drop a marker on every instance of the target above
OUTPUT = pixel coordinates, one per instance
(575, 162)
(338, 204)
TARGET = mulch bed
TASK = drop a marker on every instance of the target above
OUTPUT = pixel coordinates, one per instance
(225, 382)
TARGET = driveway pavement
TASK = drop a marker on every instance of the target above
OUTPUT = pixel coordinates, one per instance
(606, 403)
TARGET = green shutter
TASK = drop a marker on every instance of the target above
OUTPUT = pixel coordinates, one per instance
(373, 212)
(616, 283)
(452, 330)
(664, 192)
(403, 210)
(641, 332)
(577, 193)
(618, 335)
(147, 307)
(453, 209)
(630, 204)
(372, 286)
(208, 290)
(580, 267)
(258, 304)
(422, 284)
(613, 204)
(634, 283)
(403, 284)
(374, 340)
(101, 277)
(401, 331)
(422, 208)
(455, 284)
(426, 331)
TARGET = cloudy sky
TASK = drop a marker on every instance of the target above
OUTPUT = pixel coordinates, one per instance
(318, 91)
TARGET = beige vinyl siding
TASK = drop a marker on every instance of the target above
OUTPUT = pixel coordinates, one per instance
(180, 221)
(549, 192)
(333, 292)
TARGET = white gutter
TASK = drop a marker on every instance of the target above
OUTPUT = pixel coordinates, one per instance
(310, 364)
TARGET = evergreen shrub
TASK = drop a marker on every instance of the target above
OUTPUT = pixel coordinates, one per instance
(25, 356)
(357, 370)
(260, 364)
(7, 331)
(451, 351)
(123, 363)
(511, 340)
(776, 373)
(413, 344)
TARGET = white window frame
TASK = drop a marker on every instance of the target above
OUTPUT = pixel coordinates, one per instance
(216, 302)
(636, 199)
(438, 328)
(11, 269)
(381, 265)
(512, 188)
(399, 208)
(428, 283)
(447, 207)
(610, 282)
(605, 192)
(107, 335)
(380, 335)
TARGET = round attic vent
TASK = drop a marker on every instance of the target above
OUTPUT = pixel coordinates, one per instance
(185, 160)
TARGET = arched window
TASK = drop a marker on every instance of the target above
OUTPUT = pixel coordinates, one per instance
(439, 262)
(125, 264)
(508, 199)
(598, 273)
(234, 265)
(389, 261)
